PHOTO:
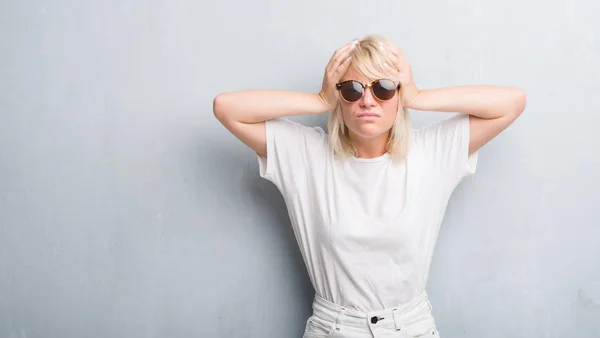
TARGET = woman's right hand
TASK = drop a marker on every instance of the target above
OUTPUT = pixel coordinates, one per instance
(336, 68)
(244, 112)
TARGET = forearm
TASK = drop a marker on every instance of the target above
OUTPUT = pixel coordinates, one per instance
(253, 106)
(481, 101)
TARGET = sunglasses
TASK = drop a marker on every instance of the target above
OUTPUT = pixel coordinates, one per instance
(352, 90)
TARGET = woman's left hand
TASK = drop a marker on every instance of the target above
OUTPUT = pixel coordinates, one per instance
(400, 66)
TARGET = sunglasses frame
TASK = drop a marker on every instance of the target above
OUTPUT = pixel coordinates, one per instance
(338, 86)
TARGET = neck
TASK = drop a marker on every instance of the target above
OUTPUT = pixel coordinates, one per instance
(369, 147)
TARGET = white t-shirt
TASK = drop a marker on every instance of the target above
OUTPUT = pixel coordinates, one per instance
(367, 228)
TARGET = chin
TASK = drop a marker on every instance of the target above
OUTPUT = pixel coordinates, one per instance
(370, 130)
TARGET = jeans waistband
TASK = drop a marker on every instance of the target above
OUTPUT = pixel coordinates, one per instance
(414, 316)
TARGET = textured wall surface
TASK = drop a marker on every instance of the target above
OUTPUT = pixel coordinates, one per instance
(127, 210)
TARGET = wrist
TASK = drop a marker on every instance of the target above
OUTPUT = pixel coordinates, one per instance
(409, 96)
(324, 105)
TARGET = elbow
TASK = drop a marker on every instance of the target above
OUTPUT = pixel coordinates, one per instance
(513, 103)
(219, 106)
(519, 102)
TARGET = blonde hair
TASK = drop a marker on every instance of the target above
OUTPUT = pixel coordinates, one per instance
(368, 60)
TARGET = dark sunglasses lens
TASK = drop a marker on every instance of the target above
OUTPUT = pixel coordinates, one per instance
(384, 89)
(351, 91)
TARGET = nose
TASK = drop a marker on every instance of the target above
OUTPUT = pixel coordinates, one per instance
(367, 99)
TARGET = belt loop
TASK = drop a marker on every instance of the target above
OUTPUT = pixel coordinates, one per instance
(339, 320)
(397, 321)
(429, 303)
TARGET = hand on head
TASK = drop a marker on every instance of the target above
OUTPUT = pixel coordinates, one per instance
(401, 67)
(335, 69)
(341, 60)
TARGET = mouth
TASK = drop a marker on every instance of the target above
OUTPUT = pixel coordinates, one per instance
(368, 115)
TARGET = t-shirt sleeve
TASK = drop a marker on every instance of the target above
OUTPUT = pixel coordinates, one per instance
(446, 147)
(291, 147)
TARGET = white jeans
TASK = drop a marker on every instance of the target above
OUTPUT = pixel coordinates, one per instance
(407, 321)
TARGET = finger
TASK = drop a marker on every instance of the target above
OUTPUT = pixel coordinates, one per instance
(345, 52)
(402, 57)
(400, 54)
(333, 59)
(394, 72)
(389, 50)
(343, 67)
(396, 52)
(401, 61)
(387, 46)
(341, 57)
(338, 51)
(342, 49)
(396, 61)
(337, 73)
(392, 67)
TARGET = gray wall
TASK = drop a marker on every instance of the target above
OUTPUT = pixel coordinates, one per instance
(126, 210)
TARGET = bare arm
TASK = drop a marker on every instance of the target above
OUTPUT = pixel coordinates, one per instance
(244, 113)
(487, 102)
(491, 108)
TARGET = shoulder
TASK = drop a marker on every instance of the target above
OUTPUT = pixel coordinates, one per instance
(293, 148)
(290, 130)
(445, 146)
(448, 130)
(452, 123)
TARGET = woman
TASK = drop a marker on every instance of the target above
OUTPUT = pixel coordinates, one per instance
(366, 199)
